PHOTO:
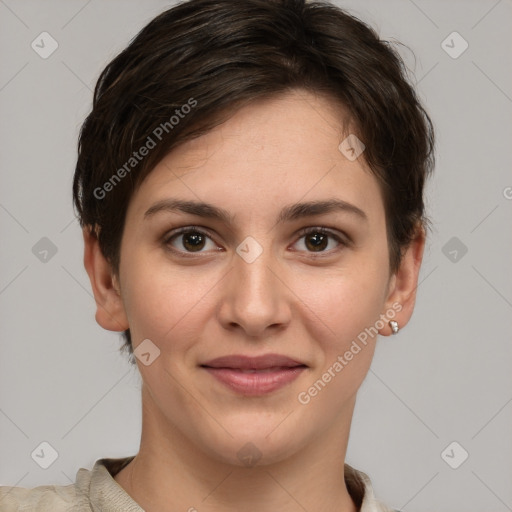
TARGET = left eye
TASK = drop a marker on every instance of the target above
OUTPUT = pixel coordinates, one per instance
(317, 239)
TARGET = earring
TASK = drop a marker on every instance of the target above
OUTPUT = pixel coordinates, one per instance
(394, 326)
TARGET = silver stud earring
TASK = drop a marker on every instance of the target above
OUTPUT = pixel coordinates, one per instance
(394, 326)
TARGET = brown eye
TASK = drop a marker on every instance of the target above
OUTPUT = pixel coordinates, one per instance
(316, 240)
(193, 241)
(189, 240)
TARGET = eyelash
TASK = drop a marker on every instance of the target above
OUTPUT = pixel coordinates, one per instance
(302, 233)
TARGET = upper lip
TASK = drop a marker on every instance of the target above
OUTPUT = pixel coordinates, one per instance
(253, 363)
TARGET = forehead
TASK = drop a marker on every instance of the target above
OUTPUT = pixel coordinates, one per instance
(280, 150)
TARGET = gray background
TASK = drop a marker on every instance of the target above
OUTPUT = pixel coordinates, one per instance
(444, 378)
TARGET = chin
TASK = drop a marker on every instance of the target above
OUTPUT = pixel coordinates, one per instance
(257, 443)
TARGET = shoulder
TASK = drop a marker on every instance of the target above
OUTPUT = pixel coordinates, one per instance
(43, 498)
(360, 488)
(93, 490)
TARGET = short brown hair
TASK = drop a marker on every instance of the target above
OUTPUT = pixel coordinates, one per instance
(214, 56)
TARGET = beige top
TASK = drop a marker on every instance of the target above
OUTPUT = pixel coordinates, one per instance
(96, 491)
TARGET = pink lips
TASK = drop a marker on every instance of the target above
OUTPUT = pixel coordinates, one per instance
(254, 375)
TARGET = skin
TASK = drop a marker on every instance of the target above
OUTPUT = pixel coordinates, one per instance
(290, 300)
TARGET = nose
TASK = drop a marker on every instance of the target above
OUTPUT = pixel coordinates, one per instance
(256, 298)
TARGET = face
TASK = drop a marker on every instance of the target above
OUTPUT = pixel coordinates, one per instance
(267, 278)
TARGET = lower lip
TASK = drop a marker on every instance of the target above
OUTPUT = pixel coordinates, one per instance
(257, 383)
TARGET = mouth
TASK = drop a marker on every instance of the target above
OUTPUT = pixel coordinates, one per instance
(254, 375)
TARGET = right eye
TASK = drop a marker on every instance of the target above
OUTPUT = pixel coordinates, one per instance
(189, 240)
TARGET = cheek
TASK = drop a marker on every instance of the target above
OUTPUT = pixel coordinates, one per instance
(340, 303)
(161, 300)
(341, 310)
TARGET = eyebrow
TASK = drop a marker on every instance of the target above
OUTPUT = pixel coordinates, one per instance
(288, 213)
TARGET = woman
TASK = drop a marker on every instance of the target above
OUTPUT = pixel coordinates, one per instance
(250, 187)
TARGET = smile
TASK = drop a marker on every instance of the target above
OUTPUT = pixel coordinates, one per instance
(254, 375)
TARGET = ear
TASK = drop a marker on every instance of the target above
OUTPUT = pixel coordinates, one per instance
(403, 284)
(110, 312)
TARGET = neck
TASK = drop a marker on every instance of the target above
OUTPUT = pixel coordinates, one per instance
(170, 473)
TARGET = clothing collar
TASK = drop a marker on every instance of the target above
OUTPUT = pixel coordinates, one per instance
(106, 495)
